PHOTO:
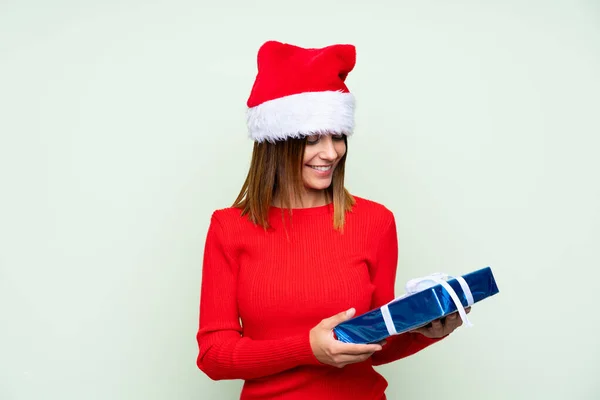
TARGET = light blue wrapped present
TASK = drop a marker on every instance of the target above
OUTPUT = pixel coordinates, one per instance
(426, 299)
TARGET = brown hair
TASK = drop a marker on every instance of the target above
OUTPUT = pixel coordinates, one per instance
(276, 170)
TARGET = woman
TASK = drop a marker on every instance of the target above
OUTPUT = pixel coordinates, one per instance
(297, 254)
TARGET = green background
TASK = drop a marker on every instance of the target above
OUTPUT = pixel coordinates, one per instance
(122, 128)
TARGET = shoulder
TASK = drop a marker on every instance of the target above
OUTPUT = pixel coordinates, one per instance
(226, 225)
(226, 214)
(228, 218)
(372, 207)
(372, 215)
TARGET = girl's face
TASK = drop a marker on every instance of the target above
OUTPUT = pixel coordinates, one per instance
(321, 156)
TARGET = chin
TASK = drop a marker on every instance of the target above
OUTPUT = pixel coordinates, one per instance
(319, 186)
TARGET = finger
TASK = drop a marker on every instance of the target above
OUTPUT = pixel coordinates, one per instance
(436, 327)
(421, 330)
(345, 359)
(453, 324)
(355, 349)
(332, 322)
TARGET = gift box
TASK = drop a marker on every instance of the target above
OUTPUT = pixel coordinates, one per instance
(426, 299)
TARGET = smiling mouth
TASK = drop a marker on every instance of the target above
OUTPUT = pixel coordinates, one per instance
(321, 167)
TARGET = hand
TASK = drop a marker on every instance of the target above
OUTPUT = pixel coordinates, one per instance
(443, 326)
(330, 351)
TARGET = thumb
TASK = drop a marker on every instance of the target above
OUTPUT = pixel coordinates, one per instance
(337, 319)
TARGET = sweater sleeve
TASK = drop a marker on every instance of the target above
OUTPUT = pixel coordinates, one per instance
(383, 276)
(223, 351)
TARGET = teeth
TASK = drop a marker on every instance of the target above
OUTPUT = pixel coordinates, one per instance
(321, 168)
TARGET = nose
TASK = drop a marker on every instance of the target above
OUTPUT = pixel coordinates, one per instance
(327, 151)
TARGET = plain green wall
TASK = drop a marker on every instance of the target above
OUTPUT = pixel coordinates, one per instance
(122, 127)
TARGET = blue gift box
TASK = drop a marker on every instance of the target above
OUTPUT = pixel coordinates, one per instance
(419, 307)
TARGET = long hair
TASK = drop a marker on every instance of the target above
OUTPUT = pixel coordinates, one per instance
(276, 170)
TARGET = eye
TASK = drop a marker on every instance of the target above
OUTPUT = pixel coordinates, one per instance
(312, 139)
(338, 137)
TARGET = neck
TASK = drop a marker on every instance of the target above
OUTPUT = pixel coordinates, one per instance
(311, 198)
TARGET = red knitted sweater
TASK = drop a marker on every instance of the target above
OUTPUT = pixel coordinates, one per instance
(262, 292)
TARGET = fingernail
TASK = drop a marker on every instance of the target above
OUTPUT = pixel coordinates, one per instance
(350, 312)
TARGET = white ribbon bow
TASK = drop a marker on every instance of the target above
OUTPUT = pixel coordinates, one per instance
(420, 284)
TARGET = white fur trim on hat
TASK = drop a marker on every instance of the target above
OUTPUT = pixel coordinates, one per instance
(301, 115)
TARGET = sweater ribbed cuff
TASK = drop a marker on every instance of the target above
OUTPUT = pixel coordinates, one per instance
(299, 348)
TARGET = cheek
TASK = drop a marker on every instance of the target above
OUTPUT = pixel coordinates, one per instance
(307, 178)
(308, 155)
(340, 148)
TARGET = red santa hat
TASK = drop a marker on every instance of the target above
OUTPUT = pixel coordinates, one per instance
(300, 92)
